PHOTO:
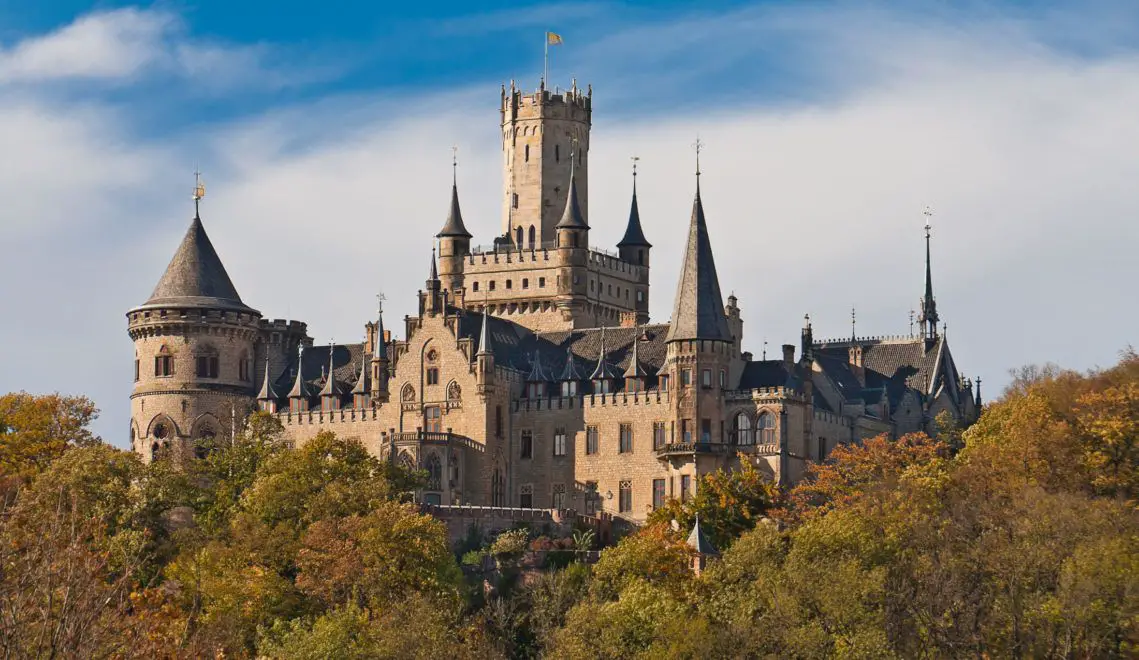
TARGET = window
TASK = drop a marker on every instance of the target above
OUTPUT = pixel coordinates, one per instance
(686, 430)
(432, 419)
(541, 282)
(601, 386)
(526, 282)
(136, 370)
(706, 378)
(590, 440)
(514, 200)
(164, 365)
(207, 366)
(625, 441)
(491, 285)
(640, 296)
(535, 390)
(610, 289)
(743, 434)
(685, 378)
(518, 239)
(660, 436)
(766, 428)
(685, 486)
(509, 283)
(821, 456)
(559, 497)
(526, 496)
(560, 442)
(641, 261)
(526, 156)
(705, 431)
(658, 493)
(557, 153)
(433, 376)
(591, 498)
(243, 368)
(475, 286)
(526, 446)
(498, 421)
(591, 283)
(569, 388)
(532, 237)
(663, 382)
(723, 378)
(434, 468)
(496, 489)
(625, 497)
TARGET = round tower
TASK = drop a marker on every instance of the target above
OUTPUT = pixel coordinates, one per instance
(194, 342)
(539, 132)
(454, 243)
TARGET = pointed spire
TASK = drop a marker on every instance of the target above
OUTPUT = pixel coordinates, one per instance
(928, 318)
(571, 371)
(484, 333)
(454, 227)
(977, 401)
(381, 350)
(698, 312)
(196, 277)
(301, 388)
(330, 388)
(267, 393)
(634, 234)
(603, 370)
(635, 368)
(362, 382)
(537, 374)
(699, 542)
(571, 217)
(434, 275)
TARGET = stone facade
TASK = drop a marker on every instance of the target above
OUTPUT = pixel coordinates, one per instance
(531, 376)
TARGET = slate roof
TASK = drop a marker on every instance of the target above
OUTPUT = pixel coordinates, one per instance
(767, 373)
(196, 277)
(698, 312)
(634, 234)
(346, 359)
(890, 367)
(454, 226)
(699, 542)
(571, 217)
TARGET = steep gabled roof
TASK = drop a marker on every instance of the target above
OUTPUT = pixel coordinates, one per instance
(698, 312)
(196, 277)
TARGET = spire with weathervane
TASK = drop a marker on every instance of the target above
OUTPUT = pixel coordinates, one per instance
(301, 393)
(634, 247)
(267, 397)
(572, 228)
(929, 318)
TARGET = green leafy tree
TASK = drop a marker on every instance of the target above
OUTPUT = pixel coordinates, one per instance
(729, 502)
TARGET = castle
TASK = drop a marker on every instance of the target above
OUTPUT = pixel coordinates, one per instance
(532, 375)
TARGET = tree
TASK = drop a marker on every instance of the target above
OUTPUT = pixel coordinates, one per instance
(729, 502)
(36, 430)
(654, 554)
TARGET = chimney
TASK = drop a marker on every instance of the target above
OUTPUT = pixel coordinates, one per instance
(628, 319)
(789, 354)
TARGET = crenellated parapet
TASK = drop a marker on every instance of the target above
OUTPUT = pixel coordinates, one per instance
(596, 400)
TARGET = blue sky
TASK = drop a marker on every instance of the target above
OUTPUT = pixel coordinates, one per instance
(325, 137)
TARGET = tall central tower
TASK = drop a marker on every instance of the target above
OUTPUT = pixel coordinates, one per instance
(540, 131)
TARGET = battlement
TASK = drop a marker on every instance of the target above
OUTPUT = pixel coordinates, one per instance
(515, 101)
(556, 403)
(869, 339)
(778, 392)
(831, 418)
(283, 325)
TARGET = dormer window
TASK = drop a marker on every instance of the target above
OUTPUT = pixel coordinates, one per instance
(569, 388)
(536, 390)
(602, 386)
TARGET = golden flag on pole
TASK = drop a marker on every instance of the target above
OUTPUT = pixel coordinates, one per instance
(553, 39)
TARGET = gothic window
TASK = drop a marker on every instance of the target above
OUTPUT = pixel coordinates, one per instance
(432, 355)
(518, 237)
(560, 441)
(160, 431)
(658, 493)
(434, 469)
(591, 498)
(743, 429)
(432, 419)
(625, 497)
(496, 488)
(526, 496)
(533, 235)
(164, 363)
(591, 440)
(559, 496)
(625, 440)
(766, 428)
(526, 445)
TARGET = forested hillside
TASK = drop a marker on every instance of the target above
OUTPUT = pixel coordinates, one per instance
(1017, 537)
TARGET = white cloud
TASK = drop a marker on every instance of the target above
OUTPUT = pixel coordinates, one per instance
(1023, 151)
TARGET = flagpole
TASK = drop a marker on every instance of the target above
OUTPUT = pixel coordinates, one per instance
(546, 61)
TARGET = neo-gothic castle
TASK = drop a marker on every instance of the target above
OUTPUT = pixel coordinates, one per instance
(532, 375)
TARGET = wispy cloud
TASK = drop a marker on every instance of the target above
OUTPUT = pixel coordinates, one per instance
(1021, 145)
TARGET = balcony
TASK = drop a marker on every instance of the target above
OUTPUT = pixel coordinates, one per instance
(714, 449)
(425, 437)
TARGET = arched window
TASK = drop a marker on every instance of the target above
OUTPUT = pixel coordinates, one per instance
(434, 472)
(766, 428)
(533, 234)
(526, 150)
(154, 451)
(743, 434)
(518, 237)
(497, 489)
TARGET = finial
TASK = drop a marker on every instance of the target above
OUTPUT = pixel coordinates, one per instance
(634, 159)
(911, 323)
(380, 298)
(806, 320)
(853, 318)
(199, 190)
(944, 329)
(928, 213)
(764, 349)
(698, 146)
(454, 164)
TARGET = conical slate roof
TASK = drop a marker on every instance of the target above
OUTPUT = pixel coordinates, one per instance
(571, 372)
(604, 370)
(634, 235)
(537, 373)
(301, 389)
(698, 312)
(699, 542)
(635, 369)
(330, 386)
(454, 226)
(196, 277)
(362, 380)
(571, 217)
(267, 392)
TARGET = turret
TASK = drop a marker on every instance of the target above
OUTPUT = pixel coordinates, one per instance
(484, 358)
(301, 394)
(929, 317)
(380, 359)
(194, 343)
(361, 394)
(604, 374)
(634, 247)
(454, 242)
(330, 393)
(431, 302)
(635, 373)
(267, 397)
